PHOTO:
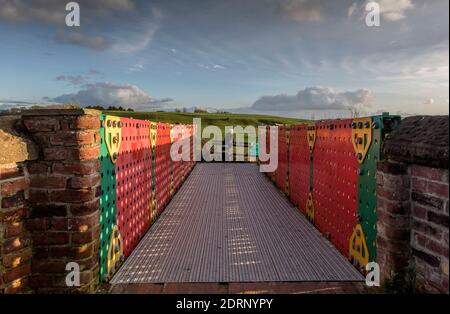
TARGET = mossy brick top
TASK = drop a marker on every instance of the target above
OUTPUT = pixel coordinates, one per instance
(420, 140)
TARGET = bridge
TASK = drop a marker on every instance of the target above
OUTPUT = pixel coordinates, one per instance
(103, 192)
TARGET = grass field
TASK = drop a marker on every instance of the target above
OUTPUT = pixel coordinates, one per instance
(218, 119)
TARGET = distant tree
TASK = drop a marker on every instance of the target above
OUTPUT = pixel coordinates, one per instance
(130, 109)
(177, 110)
(184, 109)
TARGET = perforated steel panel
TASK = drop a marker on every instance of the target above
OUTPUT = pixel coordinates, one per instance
(162, 166)
(299, 166)
(107, 200)
(283, 155)
(134, 180)
(228, 223)
(177, 169)
(335, 179)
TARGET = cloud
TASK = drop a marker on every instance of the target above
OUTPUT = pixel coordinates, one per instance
(78, 39)
(54, 11)
(394, 10)
(212, 67)
(391, 10)
(72, 79)
(108, 94)
(136, 37)
(302, 10)
(429, 101)
(315, 98)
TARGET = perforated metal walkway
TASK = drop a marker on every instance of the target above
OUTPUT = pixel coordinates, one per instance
(229, 223)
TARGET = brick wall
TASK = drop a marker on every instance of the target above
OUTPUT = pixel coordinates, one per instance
(49, 214)
(429, 226)
(64, 198)
(15, 242)
(413, 204)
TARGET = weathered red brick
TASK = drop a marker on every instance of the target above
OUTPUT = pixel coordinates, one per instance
(439, 189)
(84, 181)
(84, 122)
(49, 266)
(87, 153)
(419, 211)
(41, 124)
(394, 207)
(392, 167)
(38, 196)
(15, 244)
(393, 194)
(72, 196)
(37, 224)
(13, 229)
(16, 273)
(428, 200)
(425, 228)
(438, 218)
(84, 223)
(430, 173)
(59, 224)
(76, 168)
(9, 188)
(9, 172)
(51, 238)
(84, 237)
(16, 200)
(72, 252)
(72, 138)
(48, 210)
(13, 215)
(56, 153)
(47, 182)
(17, 258)
(84, 208)
(37, 168)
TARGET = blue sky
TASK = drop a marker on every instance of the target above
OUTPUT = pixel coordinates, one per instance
(288, 57)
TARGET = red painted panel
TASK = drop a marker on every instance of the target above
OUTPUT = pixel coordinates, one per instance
(133, 178)
(162, 166)
(299, 166)
(281, 173)
(177, 165)
(335, 180)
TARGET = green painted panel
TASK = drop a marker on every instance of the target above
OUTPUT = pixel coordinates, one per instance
(107, 202)
(367, 182)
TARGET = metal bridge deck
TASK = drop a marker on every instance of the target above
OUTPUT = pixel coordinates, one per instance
(229, 223)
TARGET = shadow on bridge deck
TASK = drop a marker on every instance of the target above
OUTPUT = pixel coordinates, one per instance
(229, 224)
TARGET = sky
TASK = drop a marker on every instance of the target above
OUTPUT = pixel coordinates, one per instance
(295, 58)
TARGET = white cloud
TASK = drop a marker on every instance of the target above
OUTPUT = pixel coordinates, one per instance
(394, 10)
(53, 11)
(137, 37)
(72, 79)
(108, 94)
(352, 9)
(429, 101)
(315, 98)
(78, 39)
(302, 10)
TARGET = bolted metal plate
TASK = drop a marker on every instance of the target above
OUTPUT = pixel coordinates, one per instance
(283, 155)
(134, 179)
(299, 166)
(162, 166)
(335, 180)
(107, 202)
